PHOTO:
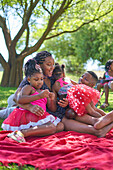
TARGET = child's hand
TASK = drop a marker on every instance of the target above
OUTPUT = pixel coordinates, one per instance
(44, 93)
(37, 110)
(63, 103)
(51, 96)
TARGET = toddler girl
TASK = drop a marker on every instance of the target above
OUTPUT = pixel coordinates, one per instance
(20, 120)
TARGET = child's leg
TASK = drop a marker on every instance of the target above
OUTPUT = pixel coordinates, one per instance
(42, 130)
(105, 104)
(104, 120)
(91, 111)
(73, 125)
(87, 119)
(98, 110)
(99, 86)
(106, 88)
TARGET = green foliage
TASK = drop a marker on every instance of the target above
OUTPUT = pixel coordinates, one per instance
(65, 52)
(92, 41)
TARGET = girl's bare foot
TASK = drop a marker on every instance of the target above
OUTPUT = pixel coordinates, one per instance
(102, 132)
(104, 120)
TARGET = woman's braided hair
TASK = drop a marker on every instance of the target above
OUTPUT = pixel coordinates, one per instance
(107, 65)
(40, 57)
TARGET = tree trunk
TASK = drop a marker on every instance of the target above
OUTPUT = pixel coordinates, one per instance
(5, 77)
(13, 75)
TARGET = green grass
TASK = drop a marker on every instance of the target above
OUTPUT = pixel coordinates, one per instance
(5, 92)
(110, 100)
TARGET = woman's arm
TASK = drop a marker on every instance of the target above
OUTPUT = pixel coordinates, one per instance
(22, 84)
(55, 91)
(37, 110)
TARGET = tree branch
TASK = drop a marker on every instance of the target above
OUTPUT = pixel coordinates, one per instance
(99, 6)
(28, 51)
(46, 8)
(2, 61)
(6, 32)
(85, 23)
(27, 37)
(26, 20)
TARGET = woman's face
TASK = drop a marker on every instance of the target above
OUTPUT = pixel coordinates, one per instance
(48, 66)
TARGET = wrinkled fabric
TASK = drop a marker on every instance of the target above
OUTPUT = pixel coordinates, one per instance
(64, 150)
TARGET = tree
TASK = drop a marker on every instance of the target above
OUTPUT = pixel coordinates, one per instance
(49, 19)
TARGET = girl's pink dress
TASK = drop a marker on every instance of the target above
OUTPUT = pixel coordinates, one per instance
(80, 95)
(23, 119)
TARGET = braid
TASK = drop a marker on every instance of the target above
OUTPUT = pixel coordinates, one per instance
(31, 67)
(107, 66)
(40, 57)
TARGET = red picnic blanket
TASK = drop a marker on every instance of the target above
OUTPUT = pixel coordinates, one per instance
(64, 150)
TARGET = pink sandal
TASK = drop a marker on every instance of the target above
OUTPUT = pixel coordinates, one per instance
(17, 136)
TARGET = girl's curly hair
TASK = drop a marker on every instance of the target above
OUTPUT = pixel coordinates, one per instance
(58, 68)
(31, 67)
(108, 64)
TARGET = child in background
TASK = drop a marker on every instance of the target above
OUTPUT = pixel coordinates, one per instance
(108, 75)
(20, 120)
(81, 97)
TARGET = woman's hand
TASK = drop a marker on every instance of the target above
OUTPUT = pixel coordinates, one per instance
(37, 110)
(63, 103)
